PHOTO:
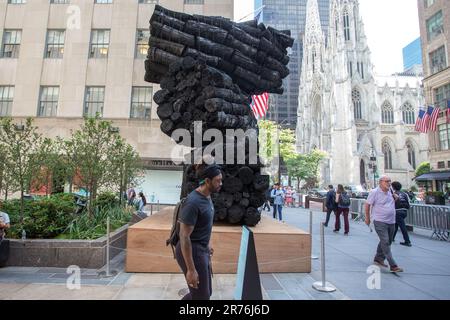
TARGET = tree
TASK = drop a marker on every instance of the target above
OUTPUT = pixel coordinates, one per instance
(100, 158)
(287, 144)
(126, 166)
(423, 168)
(305, 167)
(21, 145)
(275, 143)
(6, 181)
(54, 167)
(267, 139)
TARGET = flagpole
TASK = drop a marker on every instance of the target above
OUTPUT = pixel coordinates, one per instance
(253, 12)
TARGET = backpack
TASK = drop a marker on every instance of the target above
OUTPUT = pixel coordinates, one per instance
(174, 236)
(344, 200)
(403, 201)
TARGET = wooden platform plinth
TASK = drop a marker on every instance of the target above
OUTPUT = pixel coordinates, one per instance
(280, 248)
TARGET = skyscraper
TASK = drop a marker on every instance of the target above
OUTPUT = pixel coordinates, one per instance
(412, 56)
(289, 15)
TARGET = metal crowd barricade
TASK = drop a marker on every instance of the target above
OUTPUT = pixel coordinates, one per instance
(357, 208)
(423, 216)
(430, 217)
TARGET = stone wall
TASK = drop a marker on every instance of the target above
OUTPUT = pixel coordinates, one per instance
(64, 253)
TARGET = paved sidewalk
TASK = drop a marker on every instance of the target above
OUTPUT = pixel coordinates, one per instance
(426, 276)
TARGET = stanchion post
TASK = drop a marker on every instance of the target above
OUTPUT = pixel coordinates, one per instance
(313, 256)
(323, 285)
(151, 209)
(158, 205)
(107, 247)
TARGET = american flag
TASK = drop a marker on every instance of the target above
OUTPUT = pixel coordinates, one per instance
(448, 111)
(419, 121)
(434, 115)
(426, 121)
(260, 105)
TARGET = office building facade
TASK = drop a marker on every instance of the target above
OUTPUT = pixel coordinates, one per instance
(434, 17)
(61, 60)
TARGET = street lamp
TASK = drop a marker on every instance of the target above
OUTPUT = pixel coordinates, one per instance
(373, 160)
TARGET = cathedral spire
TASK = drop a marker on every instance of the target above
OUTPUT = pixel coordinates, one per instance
(313, 29)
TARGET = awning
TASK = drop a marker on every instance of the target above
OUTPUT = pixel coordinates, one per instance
(431, 176)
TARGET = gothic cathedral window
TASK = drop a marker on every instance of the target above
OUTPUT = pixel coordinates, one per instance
(387, 155)
(387, 113)
(408, 113)
(411, 155)
(356, 99)
(346, 25)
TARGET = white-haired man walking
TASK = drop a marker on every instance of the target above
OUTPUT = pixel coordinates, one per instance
(382, 201)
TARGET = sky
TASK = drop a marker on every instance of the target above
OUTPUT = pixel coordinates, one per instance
(390, 25)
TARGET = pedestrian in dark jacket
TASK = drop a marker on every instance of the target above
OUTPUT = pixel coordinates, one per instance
(330, 204)
(401, 212)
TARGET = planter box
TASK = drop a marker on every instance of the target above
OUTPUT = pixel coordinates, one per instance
(90, 254)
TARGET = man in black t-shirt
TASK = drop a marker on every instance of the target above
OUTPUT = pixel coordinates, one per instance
(196, 218)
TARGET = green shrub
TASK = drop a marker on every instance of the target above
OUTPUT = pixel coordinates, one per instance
(423, 168)
(106, 200)
(89, 227)
(43, 218)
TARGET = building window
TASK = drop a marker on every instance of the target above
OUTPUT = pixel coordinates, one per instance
(6, 100)
(441, 96)
(141, 103)
(336, 22)
(142, 37)
(350, 68)
(48, 102)
(435, 26)
(314, 60)
(428, 3)
(55, 44)
(346, 26)
(356, 99)
(194, 1)
(387, 113)
(360, 67)
(94, 101)
(60, 1)
(17, 1)
(99, 44)
(103, 1)
(149, 1)
(441, 165)
(438, 61)
(408, 113)
(411, 155)
(387, 155)
(444, 136)
(11, 43)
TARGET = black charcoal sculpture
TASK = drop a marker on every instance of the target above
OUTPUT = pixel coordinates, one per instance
(208, 69)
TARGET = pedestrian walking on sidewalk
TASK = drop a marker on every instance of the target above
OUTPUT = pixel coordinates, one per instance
(343, 207)
(278, 196)
(382, 202)
(193, 251)
(401, 212)
(330, 204)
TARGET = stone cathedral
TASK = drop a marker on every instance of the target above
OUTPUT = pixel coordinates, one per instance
(365, 122)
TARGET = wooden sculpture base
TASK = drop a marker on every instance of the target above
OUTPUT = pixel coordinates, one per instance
(280, 248)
